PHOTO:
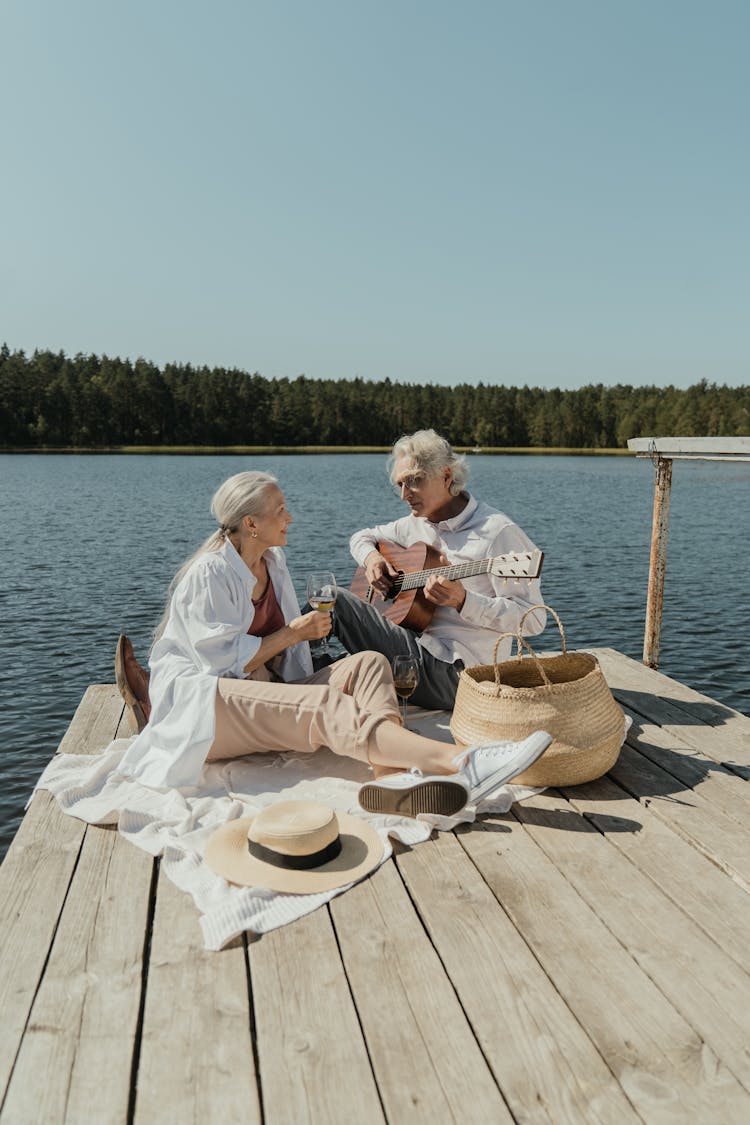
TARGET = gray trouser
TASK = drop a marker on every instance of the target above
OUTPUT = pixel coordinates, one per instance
(358, 626)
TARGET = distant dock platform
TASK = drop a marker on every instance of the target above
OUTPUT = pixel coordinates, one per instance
(583, 958)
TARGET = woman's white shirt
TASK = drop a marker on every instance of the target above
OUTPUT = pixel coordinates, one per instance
(206, 637)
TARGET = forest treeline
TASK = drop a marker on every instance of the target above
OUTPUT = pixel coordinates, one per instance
(50, 399)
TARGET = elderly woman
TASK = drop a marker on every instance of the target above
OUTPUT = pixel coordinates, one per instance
(231, 674)
(432, 479)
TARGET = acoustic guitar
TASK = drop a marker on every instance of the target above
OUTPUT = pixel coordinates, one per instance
(406, 605)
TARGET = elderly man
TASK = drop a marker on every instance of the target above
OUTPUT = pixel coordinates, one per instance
(469, 614)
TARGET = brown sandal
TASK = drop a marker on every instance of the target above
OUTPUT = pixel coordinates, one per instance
(132, 680)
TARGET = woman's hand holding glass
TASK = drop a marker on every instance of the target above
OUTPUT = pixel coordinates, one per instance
(312, 626)
(321, 595)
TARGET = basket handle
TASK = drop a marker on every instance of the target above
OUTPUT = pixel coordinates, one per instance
(526, 614)
(521, 641)
(500, 638)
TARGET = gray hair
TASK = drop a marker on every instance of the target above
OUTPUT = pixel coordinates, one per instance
(428, 451)
(244, 494)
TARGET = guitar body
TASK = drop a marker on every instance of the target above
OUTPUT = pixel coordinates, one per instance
(408, 608)
(405, 603)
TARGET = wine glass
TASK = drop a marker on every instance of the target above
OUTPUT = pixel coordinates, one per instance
(405, 678)
(321, 595)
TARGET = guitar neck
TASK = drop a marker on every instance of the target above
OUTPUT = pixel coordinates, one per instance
(418, 578)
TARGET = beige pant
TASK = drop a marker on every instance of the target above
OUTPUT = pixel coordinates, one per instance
(337, 707)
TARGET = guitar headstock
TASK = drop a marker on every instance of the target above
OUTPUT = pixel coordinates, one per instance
(518, 564)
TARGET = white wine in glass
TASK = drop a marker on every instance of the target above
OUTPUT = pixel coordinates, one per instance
(321, 595)
(405, 678)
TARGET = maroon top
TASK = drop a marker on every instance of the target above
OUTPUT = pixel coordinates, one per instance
(268, 616)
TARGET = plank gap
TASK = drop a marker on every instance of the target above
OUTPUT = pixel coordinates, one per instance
(653, 803)
(253, 1026)
(679, 760)
(723, 889)
(398, 850)
(538, 816)
(356, 1009)
(479, 825)
(144, 985)
(43, 970)
(683, 707)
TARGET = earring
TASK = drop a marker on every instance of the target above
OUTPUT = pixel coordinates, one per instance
(254, 534)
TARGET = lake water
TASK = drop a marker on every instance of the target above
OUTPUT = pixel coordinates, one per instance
(89, 543)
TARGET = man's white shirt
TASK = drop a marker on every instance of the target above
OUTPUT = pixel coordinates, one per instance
(493, 605)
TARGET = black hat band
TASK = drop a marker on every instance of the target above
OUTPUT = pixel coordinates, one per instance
(295, 862)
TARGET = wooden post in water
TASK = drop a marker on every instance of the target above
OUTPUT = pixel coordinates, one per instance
(662, 451)
(658, 562)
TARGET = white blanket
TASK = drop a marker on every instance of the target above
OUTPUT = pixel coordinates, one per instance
(176, 824)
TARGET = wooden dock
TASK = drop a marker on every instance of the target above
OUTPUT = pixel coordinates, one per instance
(583, 958)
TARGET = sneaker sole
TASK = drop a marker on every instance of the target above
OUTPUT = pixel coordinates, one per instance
(440, 798)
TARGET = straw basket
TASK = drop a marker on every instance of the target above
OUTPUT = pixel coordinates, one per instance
(565, 695)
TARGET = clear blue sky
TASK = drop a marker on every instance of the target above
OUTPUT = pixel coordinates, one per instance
(551, 192)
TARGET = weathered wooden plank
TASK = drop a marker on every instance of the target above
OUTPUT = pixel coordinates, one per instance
(735, 448)
(607, 1007)
(715, 730)
(83, 1022)
(544, 1062)
(691, 769)
(96, 721)
(196, 1054)
(702, 982)
(313, 1062)
(36, 874)
(624, 671)
(667, 1072)
(713, 900)
(701, 823)
(426, 1059)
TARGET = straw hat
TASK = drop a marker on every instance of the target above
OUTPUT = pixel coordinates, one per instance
(298, 847)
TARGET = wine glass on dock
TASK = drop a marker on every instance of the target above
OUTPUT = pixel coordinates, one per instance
(405, 678)
(321, 596)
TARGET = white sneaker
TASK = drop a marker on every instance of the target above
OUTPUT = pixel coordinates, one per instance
(411, 793)
(486, 768)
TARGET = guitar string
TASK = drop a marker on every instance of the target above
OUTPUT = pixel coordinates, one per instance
(462, 570)
(417, 578)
